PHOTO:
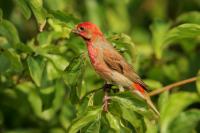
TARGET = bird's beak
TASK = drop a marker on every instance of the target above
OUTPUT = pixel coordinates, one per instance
(75, 31)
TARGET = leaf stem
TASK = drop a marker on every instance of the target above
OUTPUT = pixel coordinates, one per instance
(171, 86)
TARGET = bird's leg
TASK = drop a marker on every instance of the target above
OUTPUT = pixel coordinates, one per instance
(106, 98)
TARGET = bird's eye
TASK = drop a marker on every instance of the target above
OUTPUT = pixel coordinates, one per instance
(82, 28)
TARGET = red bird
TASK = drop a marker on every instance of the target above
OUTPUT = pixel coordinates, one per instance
(108, 62)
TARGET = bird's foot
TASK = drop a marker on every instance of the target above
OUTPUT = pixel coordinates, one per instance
(106, 103)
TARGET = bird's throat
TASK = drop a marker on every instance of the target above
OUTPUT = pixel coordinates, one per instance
(92, 52)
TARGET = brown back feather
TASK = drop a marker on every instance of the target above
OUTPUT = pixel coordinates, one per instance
(116, 62)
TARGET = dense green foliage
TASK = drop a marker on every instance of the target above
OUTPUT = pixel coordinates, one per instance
(47, 83)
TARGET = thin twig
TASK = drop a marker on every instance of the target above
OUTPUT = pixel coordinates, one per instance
(90, 92)
(169, 87)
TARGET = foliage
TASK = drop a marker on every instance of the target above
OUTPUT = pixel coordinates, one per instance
(47, 83)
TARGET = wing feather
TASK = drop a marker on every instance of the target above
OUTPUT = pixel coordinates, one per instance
(116, 62)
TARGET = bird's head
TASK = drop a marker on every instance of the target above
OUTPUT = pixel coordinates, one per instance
(88, 31)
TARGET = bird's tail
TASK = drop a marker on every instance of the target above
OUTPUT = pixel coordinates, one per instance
(139, 90)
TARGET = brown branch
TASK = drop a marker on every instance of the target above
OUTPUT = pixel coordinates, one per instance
(169, 87)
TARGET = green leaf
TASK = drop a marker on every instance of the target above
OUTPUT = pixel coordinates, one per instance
(189, 17)
(132, 117)
(39, 12)
(52, 72)
(162, 100)
(15, 60)
(26, 87)
(91, 115)
(132, 103)
(185, 122)
(113, 122)
(115, 14)
(169, 69)
(176, 103)
(24, 7)
(8, 30)
(198, 82)
(59, 61)
(159, 31)
(151, 126)
(57, 130)
(59, 95)
(44, 38)
(181, 32)
(73, 77)
(36, 68)
(62, 16)
(153, 84)
(5, 63)
(36, 103)
(93, 11)
(61, 29)
(94, 127)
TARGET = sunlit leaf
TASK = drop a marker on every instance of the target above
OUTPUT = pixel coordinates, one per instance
(39, 12)
(8, 30)
(58, 61)
(94, 127)
(36, 103)
(52, 73)
(189, 17)
(88, 117)
(181, 32)
(135, 119)
(175, 104)
(26, 87)
(113, 122)
(151, 126)
(132, 103)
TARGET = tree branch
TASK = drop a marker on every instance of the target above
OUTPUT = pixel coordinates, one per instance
(171, 86)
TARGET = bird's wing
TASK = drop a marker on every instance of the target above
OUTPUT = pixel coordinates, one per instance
(116, 62)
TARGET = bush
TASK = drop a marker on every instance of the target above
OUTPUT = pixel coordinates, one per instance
(47, 83)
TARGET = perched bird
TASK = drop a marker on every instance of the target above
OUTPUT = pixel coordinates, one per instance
(108, 62)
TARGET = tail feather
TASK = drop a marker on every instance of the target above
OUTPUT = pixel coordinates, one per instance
(150, 103)
(142, 93)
